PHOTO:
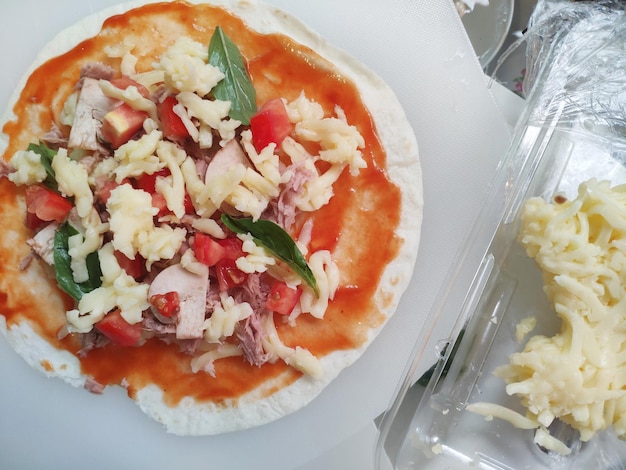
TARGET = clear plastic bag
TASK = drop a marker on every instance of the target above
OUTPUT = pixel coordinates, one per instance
(577, 51)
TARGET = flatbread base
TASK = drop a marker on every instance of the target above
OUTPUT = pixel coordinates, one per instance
(190, 417)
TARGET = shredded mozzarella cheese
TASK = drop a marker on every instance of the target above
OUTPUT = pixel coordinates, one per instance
(267, 162)
(303, 109)
(131, 97)
(198, 190)
(28, 168)
(318, 192)
(186, 68)
(221, 323)
(124, 51)
(118, 290)
(189, 261)
(326, 274)
(256, 260)
(210, 112)
(298, 357)
(579, 374)
(172, 187)
(137, 157)
(133, 229)
(340, 142)
(206, 361)
(73, 181)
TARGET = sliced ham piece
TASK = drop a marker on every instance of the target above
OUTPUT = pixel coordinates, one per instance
(54, 138)
(42, 243)
(93, 386)
(225, 158)
(192, 291)
(97, 70)
(91, 107)
(5, 169)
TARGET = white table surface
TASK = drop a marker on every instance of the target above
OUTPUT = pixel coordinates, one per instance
(420, 48)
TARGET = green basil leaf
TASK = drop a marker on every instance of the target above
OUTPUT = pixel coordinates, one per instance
(272, 237)
(236, 86)
(63, 267)
(46, 154)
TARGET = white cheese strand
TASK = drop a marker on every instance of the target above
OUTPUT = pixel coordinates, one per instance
(298, 357)
(579, 374)
(28, 168)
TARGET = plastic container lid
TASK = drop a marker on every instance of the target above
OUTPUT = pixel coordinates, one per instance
(573, 129)
(487, 27)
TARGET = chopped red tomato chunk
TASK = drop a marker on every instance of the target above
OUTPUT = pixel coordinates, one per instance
(233, 247)
(171, 123)
(228, 274)
(270, 124)
(189, 207)
(133, 267)
(33, 222)
(148, 184)
(103, 189)
(207, 250)
(282, 298)
(158, 201)
(118, 330)
(46, 205)
(121, 123)
(167, 304)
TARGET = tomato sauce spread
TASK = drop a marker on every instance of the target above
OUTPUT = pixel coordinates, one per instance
(357, 225)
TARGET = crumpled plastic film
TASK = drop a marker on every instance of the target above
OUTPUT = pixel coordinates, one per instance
(576, 57)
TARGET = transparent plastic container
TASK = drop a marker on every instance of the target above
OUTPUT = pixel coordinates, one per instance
(573, 128)
(487, 27)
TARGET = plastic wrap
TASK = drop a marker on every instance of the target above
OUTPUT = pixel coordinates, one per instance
(572, 129)
(577, 51)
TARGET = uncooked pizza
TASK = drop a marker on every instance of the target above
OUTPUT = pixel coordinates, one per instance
(206, 204)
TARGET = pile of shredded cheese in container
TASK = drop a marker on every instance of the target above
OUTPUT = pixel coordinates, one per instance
(238, 179)
(578, 375)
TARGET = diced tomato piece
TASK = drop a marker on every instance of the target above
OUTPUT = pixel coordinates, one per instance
(158, 201)
(121, 123)
(133, 267)
(167, 304)
(270, 124)
(124, 82)
(171, 123)
(103, 189)
(207, 250)
(46, 204)
(33, 222)
(282, 298)
(148, 184)
(233, 247)
(118, 330)
(189, 207)
(228, 274)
